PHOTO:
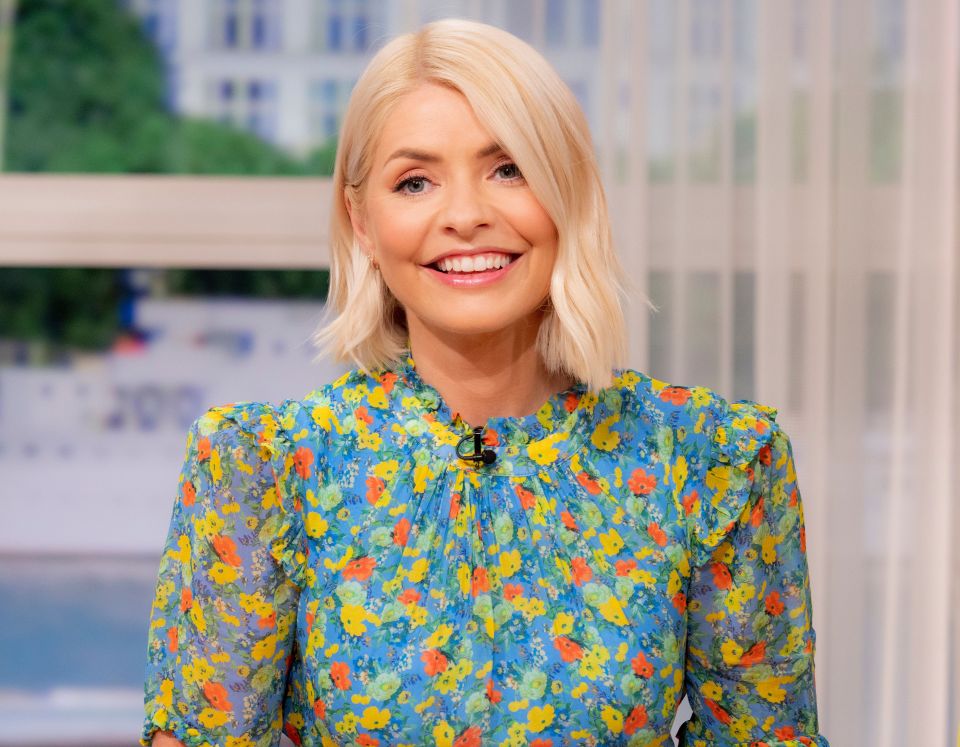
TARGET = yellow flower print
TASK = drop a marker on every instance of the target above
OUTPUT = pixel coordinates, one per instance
(742, 726)
(673, 584)
(211, 524)
(368, 440)
(768, 549)
(216, 469)
(241, 741)
(604, 438)
(612, 718)
(183, 549)
(718, 478)
(212, 718)
(540, 717)
(387, 469)
(165, 698)
(679, 474)
(270, 498)
(724, 553)
(197, 618)
(612, 610)
(510, 563)
(354, 618)
(250, 602)
(446, 681)
(769, 688)
(222, 573)
(443, 734)
(422, 474)
(711, 690)
(324, 417)
(612, 542)
(198, 672)
(562, 623)
(418, 571)
(265, 649)
(374, 718)
(316, 525)
(732, 652)
(439, 637)
(417, 615)
(544, 451)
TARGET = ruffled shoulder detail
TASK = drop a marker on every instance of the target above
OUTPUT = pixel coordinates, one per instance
(738, 441)
(270, 429)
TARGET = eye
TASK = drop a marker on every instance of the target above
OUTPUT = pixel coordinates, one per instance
(415, 182)
(512, 169)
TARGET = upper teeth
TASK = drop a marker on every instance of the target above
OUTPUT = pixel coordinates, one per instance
(474, 263)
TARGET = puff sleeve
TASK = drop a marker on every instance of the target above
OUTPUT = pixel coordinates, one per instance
(750, 641)
(223, 618)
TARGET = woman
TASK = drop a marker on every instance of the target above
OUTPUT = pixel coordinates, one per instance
(485, 532)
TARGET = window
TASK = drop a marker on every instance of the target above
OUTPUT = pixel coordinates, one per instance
(249, 104)
(342, 25)
(328, 100)
(245, 25)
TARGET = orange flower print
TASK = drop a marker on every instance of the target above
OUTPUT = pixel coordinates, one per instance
(173, 639)
(641, 667)
(226, 548)
(189, 494)
(785, 733)
(754, 655)
(375, 488)
(454, 505)
(401, 532)
(569, 650)
(491, 437)
(675, 395)
(388, 380)
(292, 734)
(568, 521)
(302, 461)
(764, 455)
(641, 483)
(409, 596)
(690, 502)
(512, 591)
(581, 571)
(186, 599)
(480, 581)
(434, 662)
(636, 720)
(359, 569)
(494, 696)
(319, 708)
(367, 741)
(270, 621)
(542, 743)
(588, 483)
(680, 602)
(527, 499)
(363, 415)
(216, 694)
(659, 536)
(756, 515)
(624, 567)
(718, 713)
(203, 449)
(773, 604)
(340, 674)
(469, 738)
(721, 576)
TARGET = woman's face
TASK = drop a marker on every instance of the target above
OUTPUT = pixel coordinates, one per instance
(460, 239)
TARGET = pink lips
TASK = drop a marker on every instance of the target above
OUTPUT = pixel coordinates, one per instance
(471, 279)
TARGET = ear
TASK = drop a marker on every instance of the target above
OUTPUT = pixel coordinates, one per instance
(359, 225)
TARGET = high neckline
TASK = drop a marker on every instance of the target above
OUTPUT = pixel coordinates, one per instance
(521, 442)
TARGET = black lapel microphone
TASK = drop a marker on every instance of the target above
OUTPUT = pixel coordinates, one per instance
(484, 456)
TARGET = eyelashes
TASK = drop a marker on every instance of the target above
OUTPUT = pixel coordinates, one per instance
(401, 186)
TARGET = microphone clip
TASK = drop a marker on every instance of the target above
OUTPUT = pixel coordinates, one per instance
(479, 455)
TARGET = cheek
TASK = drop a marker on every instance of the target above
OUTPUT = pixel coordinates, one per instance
(399, 232)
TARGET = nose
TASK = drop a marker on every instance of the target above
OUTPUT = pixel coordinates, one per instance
(466, 208)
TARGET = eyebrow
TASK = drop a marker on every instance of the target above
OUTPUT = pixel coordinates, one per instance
(421, 155)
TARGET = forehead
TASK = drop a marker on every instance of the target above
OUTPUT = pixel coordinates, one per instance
(429, 117)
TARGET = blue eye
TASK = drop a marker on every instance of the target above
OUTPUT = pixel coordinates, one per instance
(511, 165)
(410, 180)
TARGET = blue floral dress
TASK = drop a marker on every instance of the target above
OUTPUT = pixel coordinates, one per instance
(335, 571)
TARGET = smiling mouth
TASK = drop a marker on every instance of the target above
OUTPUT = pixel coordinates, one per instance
(472, 265)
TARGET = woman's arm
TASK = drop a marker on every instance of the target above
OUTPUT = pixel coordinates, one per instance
(165, 739)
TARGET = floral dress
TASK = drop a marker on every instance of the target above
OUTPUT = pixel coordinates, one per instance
(334, 570)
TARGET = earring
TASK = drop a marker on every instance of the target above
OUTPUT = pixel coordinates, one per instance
(373, 261)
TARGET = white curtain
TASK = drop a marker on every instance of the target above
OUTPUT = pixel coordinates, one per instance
(783, 175)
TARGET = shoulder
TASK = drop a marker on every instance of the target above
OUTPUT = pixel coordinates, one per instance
(701, 418)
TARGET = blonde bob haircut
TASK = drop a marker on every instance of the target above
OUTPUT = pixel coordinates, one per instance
(536, 119)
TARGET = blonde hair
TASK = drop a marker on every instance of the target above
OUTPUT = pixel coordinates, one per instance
(531, 112)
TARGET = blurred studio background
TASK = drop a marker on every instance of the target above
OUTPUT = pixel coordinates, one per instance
(783, 181)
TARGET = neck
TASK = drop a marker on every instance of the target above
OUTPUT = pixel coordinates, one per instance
(488, 375)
